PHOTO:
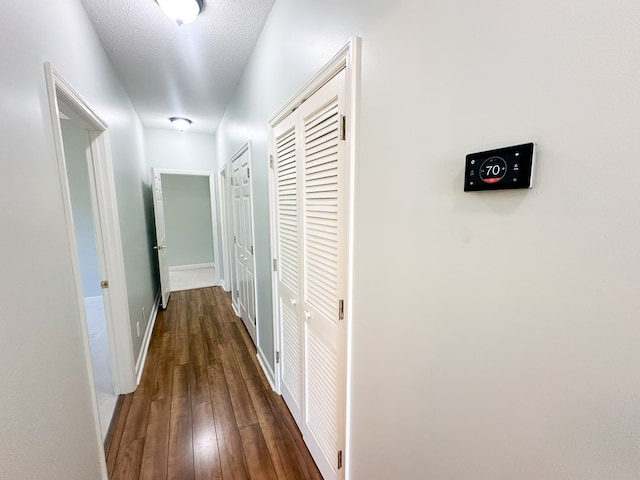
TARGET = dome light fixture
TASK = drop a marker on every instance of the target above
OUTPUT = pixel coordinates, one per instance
(180, 123)
(181, 11)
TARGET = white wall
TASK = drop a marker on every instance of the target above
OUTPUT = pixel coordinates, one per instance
(45, 410)
(495, 335)
(174, 150)
(187, 214)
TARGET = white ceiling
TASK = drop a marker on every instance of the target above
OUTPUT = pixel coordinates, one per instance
(168, 70)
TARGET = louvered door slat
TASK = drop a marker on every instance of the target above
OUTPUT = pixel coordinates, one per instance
(288, 219)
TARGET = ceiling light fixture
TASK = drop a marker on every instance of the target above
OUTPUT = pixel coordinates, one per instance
(181, 11)
(180, 123)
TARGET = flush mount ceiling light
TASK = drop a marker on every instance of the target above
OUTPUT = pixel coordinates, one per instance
(181, 11)
(180, 123)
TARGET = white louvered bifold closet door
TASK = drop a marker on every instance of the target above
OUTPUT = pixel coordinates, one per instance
(310, 193)
(324, 273)
(289, 264)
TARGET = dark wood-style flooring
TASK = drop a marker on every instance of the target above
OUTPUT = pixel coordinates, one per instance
(203, 409)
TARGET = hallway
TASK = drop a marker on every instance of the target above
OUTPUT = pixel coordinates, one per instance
(203, 409)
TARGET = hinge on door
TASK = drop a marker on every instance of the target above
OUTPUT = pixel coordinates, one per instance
(271, 161)
(251, 249)
(104, 284)
(248, 173)
(339, 459)
(343, 127)
(275, 264)
(277, 357)
(235, 239)
(341, 309)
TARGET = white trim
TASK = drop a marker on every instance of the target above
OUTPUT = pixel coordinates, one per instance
(271, 184)
(340, 60)
(116, 296)
(353, 123)
(194, 266)
(102, 186)
(212, 196)
(142, 358)
(223, 201)
(268, 372)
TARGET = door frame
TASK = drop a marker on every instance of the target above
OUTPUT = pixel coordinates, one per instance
(348, 58)
(232, 257)
(223, 201)
(109, 240)
(211, 175)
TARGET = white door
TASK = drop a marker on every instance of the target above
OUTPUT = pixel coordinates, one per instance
(161, 237)
(288, 276)
(311, 237)
(243, 241)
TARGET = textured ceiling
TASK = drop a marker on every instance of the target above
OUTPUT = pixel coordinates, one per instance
(168, 70)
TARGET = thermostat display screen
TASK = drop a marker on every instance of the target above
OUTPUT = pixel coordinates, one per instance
(504, 168)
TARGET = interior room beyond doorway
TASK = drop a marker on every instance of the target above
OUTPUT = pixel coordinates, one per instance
(189, 224)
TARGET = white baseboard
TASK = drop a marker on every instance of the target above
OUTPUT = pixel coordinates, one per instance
(192, 267)
(268, 372)
(142, 358)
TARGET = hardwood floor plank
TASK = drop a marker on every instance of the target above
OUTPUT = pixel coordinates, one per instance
(163, 380)
(181, 313)
(298, 453)
(199, 385)
(206, 459)
(289, 454)
(210, 340)
(193, 311)
(156, 447)
(118, 433)
(242, 407)
(129, 462)
(229, 443)
(181, 356)
(246, 359)
(257, 454)
(180, 463)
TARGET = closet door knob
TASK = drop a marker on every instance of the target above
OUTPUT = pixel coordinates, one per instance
(307, 315)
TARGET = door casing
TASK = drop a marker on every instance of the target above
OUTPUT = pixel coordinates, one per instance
(110, 253)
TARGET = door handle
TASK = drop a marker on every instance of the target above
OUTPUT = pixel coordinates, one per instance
(159, 247)
(293, 302)
(307, 315)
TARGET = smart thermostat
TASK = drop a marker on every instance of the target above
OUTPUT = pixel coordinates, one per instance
(503, 168)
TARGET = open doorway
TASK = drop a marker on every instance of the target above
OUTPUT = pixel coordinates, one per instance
(88, 193)
(77, 152)
(186, 229)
